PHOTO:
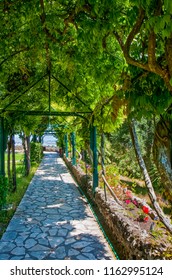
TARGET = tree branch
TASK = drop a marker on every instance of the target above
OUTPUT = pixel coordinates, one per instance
(135, 30)
(152, 62)
(119, 39)
(152, 65)
(168, 54)
(126, 47)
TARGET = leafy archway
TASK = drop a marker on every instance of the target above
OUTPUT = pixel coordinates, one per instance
(111, 58)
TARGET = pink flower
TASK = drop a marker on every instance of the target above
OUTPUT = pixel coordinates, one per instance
(127, 201)
(145, 209)
(128, 193)
(135, 202)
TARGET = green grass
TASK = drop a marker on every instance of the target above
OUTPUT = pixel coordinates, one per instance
(19, 157)
(15, 198)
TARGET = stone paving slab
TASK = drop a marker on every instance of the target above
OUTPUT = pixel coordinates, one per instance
(53, 220)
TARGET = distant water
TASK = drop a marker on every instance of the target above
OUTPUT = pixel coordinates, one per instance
(48, 140)
(18, 141)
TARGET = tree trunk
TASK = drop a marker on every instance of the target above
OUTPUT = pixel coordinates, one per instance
(9, 158)
(14, 182)
(162, 148)
(28, 154)
(34, 138)
(26, 147)
(149, 144)
(148, 182)
(40, 139)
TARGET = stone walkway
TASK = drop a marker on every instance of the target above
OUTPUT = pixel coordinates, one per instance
(53, 220)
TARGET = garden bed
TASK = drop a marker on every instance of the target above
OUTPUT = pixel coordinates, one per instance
(132, 236)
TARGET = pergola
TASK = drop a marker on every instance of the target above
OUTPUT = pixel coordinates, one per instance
(49, 113)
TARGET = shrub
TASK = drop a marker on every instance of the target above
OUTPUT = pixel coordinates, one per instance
(36, 152)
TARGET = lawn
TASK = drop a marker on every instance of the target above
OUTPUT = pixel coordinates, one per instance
(13, 199)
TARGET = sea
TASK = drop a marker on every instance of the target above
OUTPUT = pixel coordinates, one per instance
(48, 141)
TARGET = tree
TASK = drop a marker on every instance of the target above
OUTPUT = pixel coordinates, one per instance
(150, 35)
(148, 183)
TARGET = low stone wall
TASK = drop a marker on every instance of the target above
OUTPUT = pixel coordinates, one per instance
(128, 239)
(49, 149)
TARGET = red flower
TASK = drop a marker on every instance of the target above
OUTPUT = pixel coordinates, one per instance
(128, 193)
(146, 219)
(145, 209)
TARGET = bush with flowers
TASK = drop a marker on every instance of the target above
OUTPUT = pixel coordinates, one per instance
(144, 210)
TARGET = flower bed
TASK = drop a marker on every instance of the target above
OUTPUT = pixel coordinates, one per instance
(131, 236)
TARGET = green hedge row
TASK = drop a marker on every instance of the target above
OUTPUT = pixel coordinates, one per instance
(36, 152)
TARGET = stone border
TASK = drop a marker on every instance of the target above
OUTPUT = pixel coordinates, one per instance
(130, 241)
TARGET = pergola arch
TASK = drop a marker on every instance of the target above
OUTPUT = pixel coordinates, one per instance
(49, 113)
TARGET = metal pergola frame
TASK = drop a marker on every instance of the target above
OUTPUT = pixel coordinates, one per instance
(81, 114)
(49, 94)
(49, 114)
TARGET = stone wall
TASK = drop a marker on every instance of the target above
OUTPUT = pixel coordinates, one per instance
(129, 240)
